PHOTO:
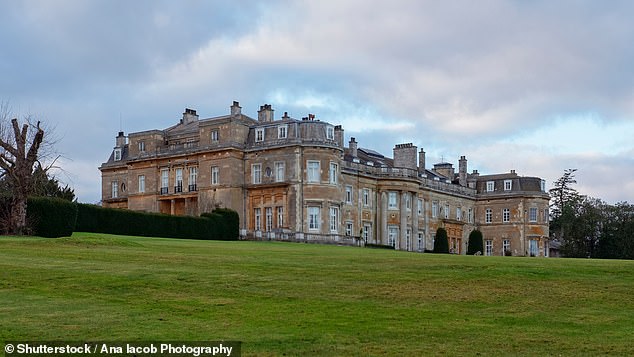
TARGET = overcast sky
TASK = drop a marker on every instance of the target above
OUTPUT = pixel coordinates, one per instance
(535, 86)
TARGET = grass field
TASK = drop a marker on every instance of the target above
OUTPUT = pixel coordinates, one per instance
(300, 299)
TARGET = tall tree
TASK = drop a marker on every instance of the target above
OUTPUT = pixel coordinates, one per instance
(19, 149)
(563, 193)
(441, 243)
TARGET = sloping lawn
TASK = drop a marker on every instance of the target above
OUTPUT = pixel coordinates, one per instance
(302, 299)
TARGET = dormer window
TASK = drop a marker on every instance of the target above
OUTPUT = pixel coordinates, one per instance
(117, 154)
(281, 132)
(508, 185)
(330, 133)
(141, 146)
(490, 186)
(214, 136)
(259, 134)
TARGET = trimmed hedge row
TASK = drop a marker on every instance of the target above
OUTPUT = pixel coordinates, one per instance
(51, 217)
(219, 225)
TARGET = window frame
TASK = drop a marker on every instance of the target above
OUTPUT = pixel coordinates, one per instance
(490, 186)
(282, 131)
(313, 168)
(259, 135)
(532, 214)
(280, 171)
(488, 216)
(114, 189)
(215, 175)
(256, 174)
(314, 218)
(506, 215)
(141, 181)
(334, 219)
(349, 194)
(508, 185)
(333, 170)
(330, 132)
(392, 200)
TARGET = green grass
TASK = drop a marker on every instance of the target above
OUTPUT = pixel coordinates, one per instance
(302, 299)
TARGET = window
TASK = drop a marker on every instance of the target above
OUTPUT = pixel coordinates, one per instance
(392, 235)
(280, 170)
(179, 180)
(333, 173)
(268, 211)
(258, 218)
(546, 248)
(408, 239)
(508, 185)
(330, 133)
(214, 136)
(532, 214)
(313, 218)
(366, 197)
(164, 180)
(506, 247)
(259, 134)
(193, 179)
(459, 214)
(367, 231)
(470, 215)
(490, 186)
(349, 229)
(420, 207)
(117, 154)
(421, 242)
(256, 173)
(190, 144)
(215, 175)
(280, 217)
(141, 183)
(434, 209)
(115, 189)
(447, 211)
(349, 194)
(334, 219)
(391, 200)
(533, 248)
(488, 216)
(546, 215)
(281, 132)
(313, 171)
(141, 146)
(488, 247)
(506, 215)
(543, 185)
(408, 202)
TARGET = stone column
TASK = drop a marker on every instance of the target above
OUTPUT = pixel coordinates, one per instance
(403, 218)
(382, 237)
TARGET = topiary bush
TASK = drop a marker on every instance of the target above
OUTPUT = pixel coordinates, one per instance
(476, 243)
(51, 217)
(441, 243)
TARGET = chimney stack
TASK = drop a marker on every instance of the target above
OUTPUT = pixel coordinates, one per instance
(265, 114)
(421, 161)
(189, 116)
(353, 147)
(405, 156)
(121, 140)
(236, 109)
(462, 171)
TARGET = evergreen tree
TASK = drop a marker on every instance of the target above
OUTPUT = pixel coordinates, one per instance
(441, 244)
(476, 243)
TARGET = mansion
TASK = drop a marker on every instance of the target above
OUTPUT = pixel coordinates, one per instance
(296, 180)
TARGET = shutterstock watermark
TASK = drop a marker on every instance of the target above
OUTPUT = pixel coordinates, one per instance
(115, 349)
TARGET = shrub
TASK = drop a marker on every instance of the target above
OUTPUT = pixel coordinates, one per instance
(441, 244)
(475, 243)
(51, 217)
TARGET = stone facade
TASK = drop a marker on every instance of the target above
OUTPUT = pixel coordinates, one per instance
(296, 180)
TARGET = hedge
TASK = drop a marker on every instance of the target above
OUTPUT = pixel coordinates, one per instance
(51, 217)
(219, 225)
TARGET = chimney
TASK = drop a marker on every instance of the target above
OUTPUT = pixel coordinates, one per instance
(421, 161)
(265, 114)
(462, 171)
(405, 156)
(285, 117)
(353, 147)
(236, 109)
(121, 140)
(475, 173)
(189, 116)
(339, 135)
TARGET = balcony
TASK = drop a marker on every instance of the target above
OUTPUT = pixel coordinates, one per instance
(178, 189)
(164, 191)
(193, 188)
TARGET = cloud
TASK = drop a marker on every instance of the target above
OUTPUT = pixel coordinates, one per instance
(500, 81)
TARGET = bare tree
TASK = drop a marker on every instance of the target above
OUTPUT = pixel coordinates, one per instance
(19, 150)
